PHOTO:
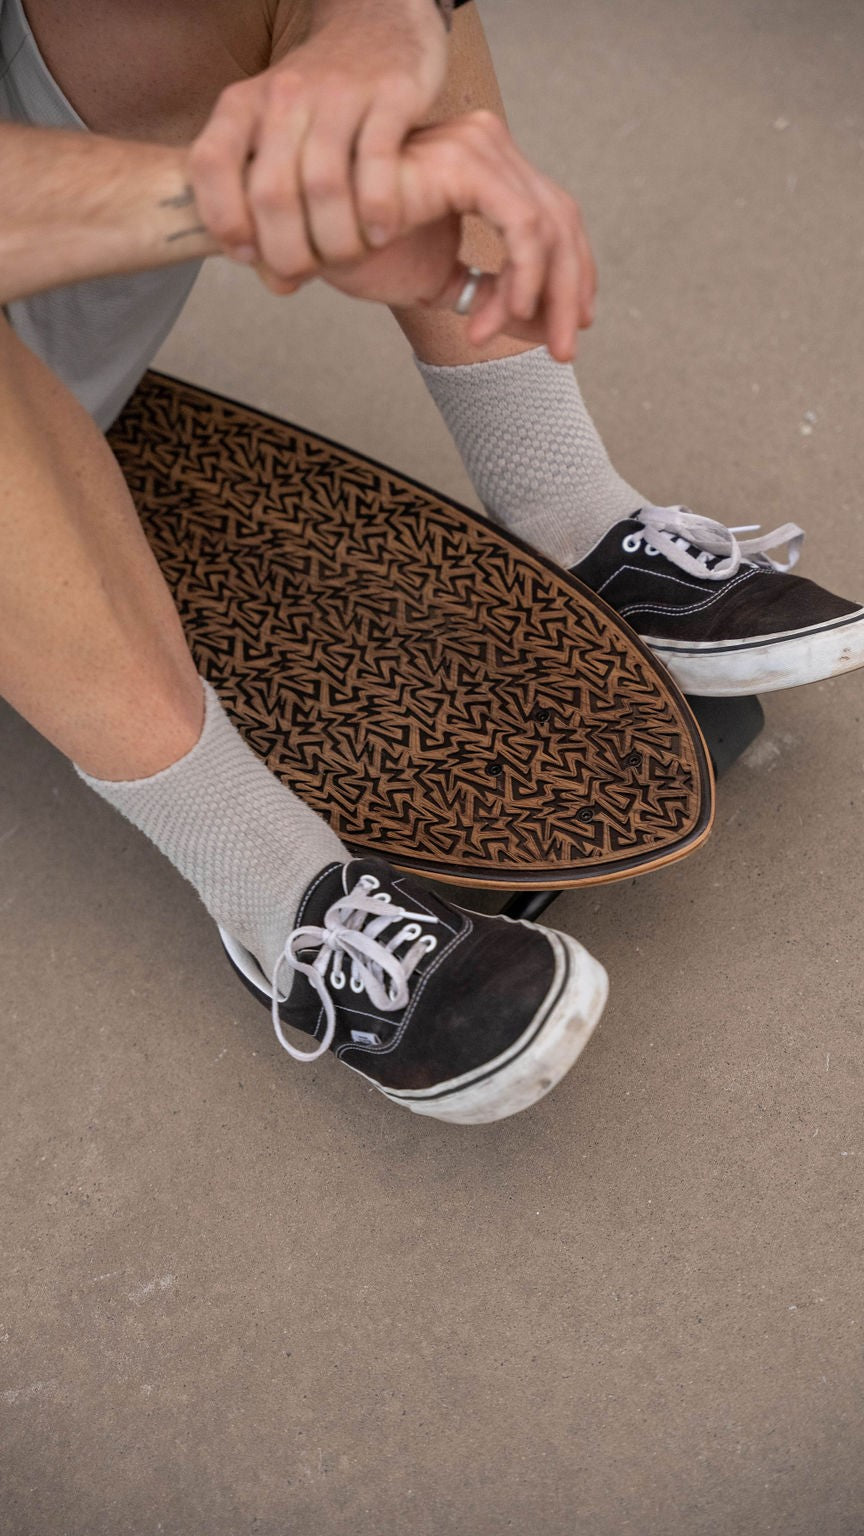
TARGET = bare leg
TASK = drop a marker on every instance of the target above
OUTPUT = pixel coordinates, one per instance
(91, 648)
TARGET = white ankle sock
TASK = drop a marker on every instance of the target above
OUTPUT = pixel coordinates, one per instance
(246, 843)
(535, 456)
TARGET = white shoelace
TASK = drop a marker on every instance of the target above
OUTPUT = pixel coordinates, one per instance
(352, 929)
(676, 531)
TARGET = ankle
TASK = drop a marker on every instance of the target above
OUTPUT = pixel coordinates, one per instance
(162, 725)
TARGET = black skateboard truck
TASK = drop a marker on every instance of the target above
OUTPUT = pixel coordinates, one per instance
(729, 727)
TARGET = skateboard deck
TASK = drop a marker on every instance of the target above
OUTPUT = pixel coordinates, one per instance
(444, 696)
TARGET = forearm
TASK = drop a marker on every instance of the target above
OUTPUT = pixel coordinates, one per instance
(78, 205)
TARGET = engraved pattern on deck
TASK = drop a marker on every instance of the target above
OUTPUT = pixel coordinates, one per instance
(443, 698)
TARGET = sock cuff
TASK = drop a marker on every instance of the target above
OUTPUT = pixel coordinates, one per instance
(519, 362)
(535, 456)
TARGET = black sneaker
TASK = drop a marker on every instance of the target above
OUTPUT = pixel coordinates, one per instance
(721, 613)
(463, 1017)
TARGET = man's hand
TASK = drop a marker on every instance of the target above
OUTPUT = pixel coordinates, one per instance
(471, 165)
(299, 166)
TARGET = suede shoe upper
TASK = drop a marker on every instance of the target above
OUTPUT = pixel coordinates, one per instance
(663, 601)
(462, 1010)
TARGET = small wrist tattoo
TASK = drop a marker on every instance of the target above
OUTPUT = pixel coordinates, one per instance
(183, 234)
(183, 199)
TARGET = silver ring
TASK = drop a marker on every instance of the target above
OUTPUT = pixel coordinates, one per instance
(469, 292)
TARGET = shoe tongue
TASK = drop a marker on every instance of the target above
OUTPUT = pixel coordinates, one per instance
(336, 880)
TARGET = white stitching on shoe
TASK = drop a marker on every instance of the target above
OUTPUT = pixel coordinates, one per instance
(636, 570)
(707, 602)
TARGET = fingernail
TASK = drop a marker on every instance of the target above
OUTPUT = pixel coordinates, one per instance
(246, 253)
(376, 234)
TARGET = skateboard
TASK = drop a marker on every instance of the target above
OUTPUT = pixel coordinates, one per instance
(444, 696)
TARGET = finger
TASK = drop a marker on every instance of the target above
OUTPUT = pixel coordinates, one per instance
(526, 274)
(524, 225)
(568, 296)
(332, 221)
(494, 312)
(217, 166)
(588, 268)
(279, 285)
(569, 277)
(489, 184)
(275, 196)
(485, 175)
(562, 301)
(376, 174)
(454, 288)
(526, 240)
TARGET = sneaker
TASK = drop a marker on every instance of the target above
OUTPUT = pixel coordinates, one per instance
(723, 615)
(449, 1013)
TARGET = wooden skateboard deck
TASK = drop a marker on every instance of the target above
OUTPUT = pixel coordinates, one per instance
(445, 697)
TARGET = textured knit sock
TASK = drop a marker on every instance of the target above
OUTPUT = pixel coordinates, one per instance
(535, 456)
(247, 844)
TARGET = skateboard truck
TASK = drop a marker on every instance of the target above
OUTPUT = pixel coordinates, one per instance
(729, 727)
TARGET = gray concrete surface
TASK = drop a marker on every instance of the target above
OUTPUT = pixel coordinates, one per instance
(243, 1297)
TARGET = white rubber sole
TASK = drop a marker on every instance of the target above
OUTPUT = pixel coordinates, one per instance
(528, 1069)
(734, 668)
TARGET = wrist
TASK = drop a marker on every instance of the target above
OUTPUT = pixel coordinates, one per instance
(146, 211)
(78, 206)
(168, 211)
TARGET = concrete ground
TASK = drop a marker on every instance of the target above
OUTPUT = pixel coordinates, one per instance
(243, 1297)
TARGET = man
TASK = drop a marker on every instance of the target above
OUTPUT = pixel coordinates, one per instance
(308, 158)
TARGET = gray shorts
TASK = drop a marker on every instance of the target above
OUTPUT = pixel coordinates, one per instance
(98, 336)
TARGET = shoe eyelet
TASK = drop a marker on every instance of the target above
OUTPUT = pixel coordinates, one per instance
(650, 550)
(369, 882)
(384, 896)
(632, 543)
(356, 984)
(337, 979)
(429, 942)
(412, 931)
